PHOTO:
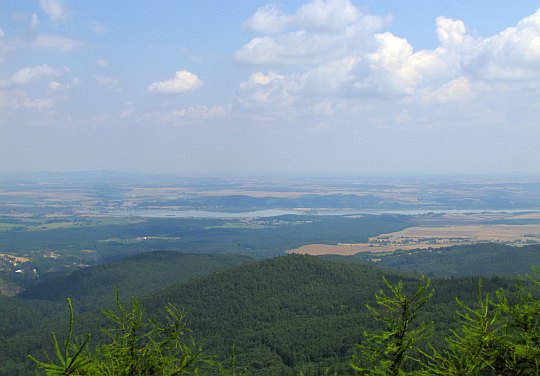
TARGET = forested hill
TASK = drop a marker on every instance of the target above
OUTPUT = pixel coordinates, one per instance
(134, 276)
(297, 312)
(482, 259)
(284, 315)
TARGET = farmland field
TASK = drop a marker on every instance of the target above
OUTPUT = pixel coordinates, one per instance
(352, 249)
(422, 237)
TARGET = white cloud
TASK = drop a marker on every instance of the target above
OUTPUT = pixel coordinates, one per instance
(326, 78)
(182, 81)
(317, 31)
(513, 54)
(451, 32)
(384, 71)
(28, 74)
(297, 47)
(102, 62)
(458, 90)
(318, 15)
(269, 20)
(25, 88)
(56, 42)
(262, 89)
(19, 99)
(260, 78)
(332, 53)
(55, 9)
(327, 15)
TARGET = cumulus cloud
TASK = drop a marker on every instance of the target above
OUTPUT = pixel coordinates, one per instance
(512, 54)
(262, 88)
(19, 99)
(330, 51)
(260, 78)
(31, 88)
(327, 15)
(269, 20)
(298, 47)
(318, 15)
(26, 75)
(182, 81)
(458, 90)
(317, 31)
(55, 9)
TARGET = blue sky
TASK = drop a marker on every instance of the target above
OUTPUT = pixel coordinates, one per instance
(261, 88)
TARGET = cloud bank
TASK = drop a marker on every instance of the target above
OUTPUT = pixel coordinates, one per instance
(182, 81)
(330, 50)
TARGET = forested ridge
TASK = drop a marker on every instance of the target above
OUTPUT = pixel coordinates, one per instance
(135, 276)
(283, 315)
(481, 259)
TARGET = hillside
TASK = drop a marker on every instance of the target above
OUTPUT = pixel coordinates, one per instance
(297, 312)
(483, 259)
(284, 314)
(134, 276)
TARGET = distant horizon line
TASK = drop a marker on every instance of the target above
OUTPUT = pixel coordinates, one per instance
(297, 175)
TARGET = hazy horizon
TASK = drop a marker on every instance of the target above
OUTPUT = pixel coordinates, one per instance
(285, 175)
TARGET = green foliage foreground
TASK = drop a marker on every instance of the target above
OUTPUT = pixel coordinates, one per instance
(498, 336)
(136, 346)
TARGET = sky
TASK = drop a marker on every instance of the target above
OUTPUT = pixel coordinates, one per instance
(330, 87)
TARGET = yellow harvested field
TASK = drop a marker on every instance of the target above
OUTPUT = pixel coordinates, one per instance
(431, 237)
(352, 249)
(474, 233)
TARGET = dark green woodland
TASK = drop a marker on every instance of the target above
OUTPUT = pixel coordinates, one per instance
(286, 315)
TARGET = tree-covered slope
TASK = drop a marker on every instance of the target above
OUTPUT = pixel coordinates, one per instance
(486, 259)
(296, 312)
(283, 315)
(94, 286)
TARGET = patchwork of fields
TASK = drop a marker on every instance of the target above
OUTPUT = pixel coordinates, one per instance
(423, 237)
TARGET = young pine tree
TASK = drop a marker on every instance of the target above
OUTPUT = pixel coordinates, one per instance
(386, 352)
